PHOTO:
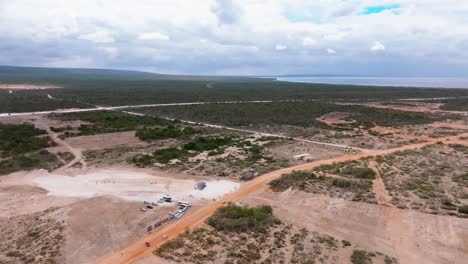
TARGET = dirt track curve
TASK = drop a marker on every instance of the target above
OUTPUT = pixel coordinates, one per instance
(78, 155)
(138, 249)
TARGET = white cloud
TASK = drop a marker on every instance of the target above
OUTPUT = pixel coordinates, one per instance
(223, 35)
(110, 51)
(153, 36)
(308, 41)
(331, 51)
(101, 36)
(377, 46)
(280, 47)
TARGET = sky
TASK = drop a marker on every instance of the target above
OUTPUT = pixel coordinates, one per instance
(240, 37)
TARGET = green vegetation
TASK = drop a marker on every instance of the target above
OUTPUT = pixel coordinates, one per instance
(361, 257)
(462, 179)
(356, 190)
(205, 144)
(165, 155)
(233, 218)
(295, 179)
(20, 139)
(108, 122)
(42, 159)
(170, 131)
(463, 209)
(108, 87)
(460, 104)
(303, 114)
(346, 243)
(350, 169)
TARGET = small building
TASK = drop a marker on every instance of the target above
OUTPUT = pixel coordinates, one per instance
(305, 157)
(200, 185)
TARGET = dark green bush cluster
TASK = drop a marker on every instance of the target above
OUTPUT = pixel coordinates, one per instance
(109, 122)
(167, 154)
(361, 257)
(20, 139)
(343, 183)
(164, 133)
(233, 218)
(359, 172)
(41, 159)
(293, 179)
(161, 156)
(463, 209)
(205, 143)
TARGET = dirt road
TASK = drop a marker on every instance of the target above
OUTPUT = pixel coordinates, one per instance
(76, 152)
(138, 249)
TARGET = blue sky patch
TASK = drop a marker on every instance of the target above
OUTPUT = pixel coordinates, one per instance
(296, 16)
(377, 9)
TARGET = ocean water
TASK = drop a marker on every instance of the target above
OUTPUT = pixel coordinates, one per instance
(385, 81)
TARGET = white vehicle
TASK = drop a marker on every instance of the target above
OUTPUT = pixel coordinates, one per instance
(143, 209)
(146, 202)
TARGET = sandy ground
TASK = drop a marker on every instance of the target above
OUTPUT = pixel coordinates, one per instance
(410, 236)
(106, 141)
(25, 86)
(129, 185)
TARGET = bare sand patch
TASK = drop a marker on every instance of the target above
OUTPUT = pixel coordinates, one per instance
(106, 141)
(28, 86)
(129, 185)
(410, 236)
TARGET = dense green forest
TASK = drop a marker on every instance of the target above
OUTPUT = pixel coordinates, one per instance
(290, 113)
(110, 87)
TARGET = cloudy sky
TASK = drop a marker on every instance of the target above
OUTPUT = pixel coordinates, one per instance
(240, 37)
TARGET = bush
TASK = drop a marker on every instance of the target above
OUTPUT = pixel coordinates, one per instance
(462, 179)
(205, 144)
(359, 172)
(360, 257)
(233, 218)
(20, 139)
(167, 154)
(293, 179)
(463, 209)
(165, 133)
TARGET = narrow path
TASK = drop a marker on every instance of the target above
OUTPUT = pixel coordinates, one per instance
(76, 152)
(138, 249)
(378, 186)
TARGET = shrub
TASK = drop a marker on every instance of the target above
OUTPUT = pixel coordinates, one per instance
(359, 172)
(20, 139)
(360, 257)
(233, 218)
(167, 154)
(293, 179)
(165, 133)
(463, 209)
(205, 143)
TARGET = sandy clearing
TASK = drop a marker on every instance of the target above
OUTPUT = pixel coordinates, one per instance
(411, 236)
(128, 185)
(106, 141)
(19, 196)
(27, 86)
